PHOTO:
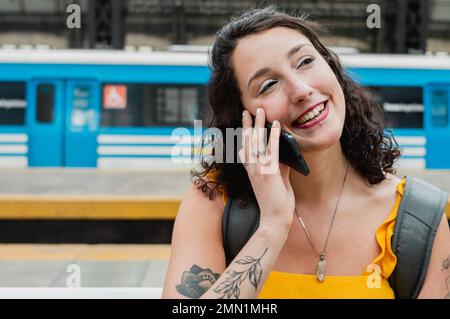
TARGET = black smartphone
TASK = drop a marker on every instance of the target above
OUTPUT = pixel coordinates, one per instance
(290, 153)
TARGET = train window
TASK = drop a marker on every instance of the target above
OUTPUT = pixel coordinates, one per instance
(149, 105)
(439, 107)
(402, 106)
(45, 102)
(12, 103)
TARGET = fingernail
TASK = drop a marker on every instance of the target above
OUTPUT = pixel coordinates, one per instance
(243, 113)
(258, 111)
(276, 124)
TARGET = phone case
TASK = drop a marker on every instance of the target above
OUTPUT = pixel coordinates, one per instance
(289, 150)
(290, 153)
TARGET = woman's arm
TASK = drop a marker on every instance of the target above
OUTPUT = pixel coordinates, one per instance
(247, 273)
(197, 256)
(197, 263)
(437, 279)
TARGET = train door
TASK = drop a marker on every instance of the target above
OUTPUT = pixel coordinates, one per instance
(63, 123)
(82, 122)
(45, 118)
(437, 126)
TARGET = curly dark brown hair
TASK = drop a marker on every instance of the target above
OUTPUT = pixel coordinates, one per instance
(364, 142)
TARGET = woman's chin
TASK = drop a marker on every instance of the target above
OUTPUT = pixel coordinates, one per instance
(318, 143)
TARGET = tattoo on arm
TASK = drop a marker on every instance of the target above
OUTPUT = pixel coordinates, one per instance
(446, 269)
(195, 282)
(230, 287)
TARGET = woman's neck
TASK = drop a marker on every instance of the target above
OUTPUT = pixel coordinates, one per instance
(327, 170)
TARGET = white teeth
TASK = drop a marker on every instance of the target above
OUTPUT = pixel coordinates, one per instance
(311, 114)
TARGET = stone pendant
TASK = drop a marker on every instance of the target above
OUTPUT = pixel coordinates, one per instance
(320, 270)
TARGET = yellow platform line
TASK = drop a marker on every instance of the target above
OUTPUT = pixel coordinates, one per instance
(87, 207)
(74, 252)
(94, 207)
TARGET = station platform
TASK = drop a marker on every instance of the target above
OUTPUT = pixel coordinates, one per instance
(147, 201)
(80, 265)
(74, 206)
(90, 194)
(81, 194)
(89, 206)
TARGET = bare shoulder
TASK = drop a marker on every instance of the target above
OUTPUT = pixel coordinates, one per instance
(390, 178)
(377, 199)
(200, 200)
(201, 212)
(384, 191)
(390, 184)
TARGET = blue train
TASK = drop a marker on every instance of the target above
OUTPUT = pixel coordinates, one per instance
(118, 109)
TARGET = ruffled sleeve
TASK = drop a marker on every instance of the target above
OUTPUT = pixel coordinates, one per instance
(386, 260)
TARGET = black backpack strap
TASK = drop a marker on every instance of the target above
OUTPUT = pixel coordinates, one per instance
(238, 225)
(418, 218)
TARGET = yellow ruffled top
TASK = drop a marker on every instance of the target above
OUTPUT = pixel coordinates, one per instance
(365, 286)
(212, 177)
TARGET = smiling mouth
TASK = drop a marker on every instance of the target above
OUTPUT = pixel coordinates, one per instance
(311, 115)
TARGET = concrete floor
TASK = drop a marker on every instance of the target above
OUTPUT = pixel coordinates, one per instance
(31, 265)
(93, 182)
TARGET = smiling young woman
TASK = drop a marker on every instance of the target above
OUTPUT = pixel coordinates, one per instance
(320, 235)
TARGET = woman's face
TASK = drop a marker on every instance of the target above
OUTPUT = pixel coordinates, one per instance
(280, 71)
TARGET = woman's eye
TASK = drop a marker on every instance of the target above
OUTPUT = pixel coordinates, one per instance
(266, 85)
(302, 62)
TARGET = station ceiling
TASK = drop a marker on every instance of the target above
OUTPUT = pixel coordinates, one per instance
(439, 9)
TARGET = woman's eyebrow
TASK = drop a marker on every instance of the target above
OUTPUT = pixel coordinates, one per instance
(264, 70)
(296, 49)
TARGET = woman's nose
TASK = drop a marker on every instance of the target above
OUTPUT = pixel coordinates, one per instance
(299, 90)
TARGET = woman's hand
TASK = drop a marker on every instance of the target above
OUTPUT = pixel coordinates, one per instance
(269, 178)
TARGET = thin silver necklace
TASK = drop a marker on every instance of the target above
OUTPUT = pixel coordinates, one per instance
(322, 262)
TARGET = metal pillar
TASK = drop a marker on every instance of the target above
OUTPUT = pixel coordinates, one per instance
(106, 20)
(405, 26)
(179, 23)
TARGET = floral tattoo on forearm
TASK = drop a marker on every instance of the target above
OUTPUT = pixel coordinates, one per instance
(196, 281)
(229, 288)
